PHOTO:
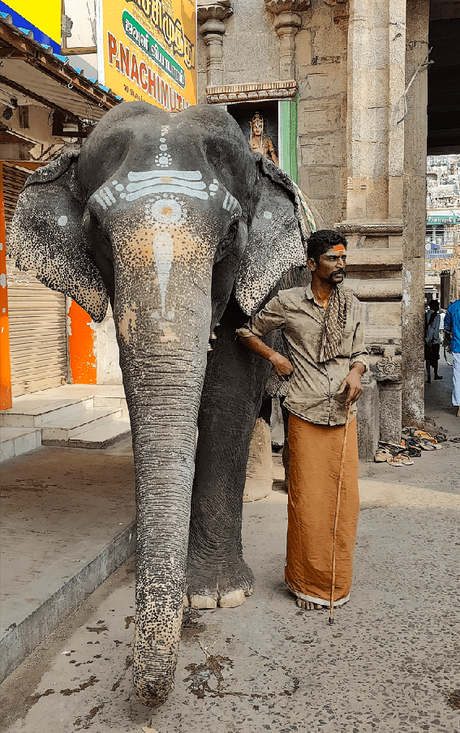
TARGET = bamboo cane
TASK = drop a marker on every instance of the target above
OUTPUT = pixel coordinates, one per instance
(337, 509)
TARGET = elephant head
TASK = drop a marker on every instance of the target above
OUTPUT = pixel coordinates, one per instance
(168, 216)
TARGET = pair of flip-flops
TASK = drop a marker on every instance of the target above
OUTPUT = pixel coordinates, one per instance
(421, 440)
(393, 458)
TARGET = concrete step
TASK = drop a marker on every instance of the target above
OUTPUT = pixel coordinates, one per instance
(16, 441)
(30, 411)
(111, 401)
(101, 436)
(62, 430)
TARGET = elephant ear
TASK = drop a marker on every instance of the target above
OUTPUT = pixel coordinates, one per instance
(276, 238)
(46, 235)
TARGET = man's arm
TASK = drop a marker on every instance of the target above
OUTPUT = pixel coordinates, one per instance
(359, 364)
(281, 365)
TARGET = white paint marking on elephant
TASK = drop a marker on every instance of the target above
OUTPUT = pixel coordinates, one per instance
(163, 147)
(213, 187)
(163, 248)
(100, 201)
(3, 280)
(62, 221)
(147, 175)
(166, 212)
(163, 161)
(120, 187)
(268, 215)
(197, 185)
(114, 183)
(231, 204)
(107, 192)
(167, 189)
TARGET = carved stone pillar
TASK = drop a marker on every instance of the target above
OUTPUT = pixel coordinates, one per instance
(211, 17)
(287, 22)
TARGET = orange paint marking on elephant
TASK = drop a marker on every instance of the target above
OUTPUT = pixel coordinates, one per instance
(126, 324)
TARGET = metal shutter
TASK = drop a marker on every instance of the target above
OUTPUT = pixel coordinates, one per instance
(37, 315)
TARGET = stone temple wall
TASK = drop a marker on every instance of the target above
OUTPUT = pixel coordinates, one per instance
(359, 70)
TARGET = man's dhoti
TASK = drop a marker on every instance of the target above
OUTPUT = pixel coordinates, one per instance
(315, 452)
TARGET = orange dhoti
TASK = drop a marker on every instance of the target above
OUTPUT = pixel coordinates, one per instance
(315, 453)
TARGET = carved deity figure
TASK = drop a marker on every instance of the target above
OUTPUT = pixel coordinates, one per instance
(259, 141)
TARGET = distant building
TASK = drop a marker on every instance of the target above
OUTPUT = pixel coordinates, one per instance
(442, 239)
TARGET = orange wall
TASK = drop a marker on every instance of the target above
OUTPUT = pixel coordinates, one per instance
(83, 367)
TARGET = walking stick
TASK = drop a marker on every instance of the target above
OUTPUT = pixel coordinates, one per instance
(336, 517)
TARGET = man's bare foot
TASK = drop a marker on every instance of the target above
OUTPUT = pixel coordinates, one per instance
(308, 605)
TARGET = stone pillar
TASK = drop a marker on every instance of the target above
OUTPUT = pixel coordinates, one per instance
(368, 418)
(211, 17)
(374, 189)
(415, 147)
(391, 413)
(287, 22)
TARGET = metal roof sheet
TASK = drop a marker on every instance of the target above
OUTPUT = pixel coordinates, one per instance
(34, 70)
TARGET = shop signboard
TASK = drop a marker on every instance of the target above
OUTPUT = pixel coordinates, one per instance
(43, 19)
(148, 51)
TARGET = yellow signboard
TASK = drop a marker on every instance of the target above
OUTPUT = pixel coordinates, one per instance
(43, 19)
(149, 51)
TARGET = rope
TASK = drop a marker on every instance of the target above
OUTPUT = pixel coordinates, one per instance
(306, 208)
(336, 517)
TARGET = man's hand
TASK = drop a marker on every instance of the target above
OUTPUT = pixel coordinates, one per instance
(281, 365)
(352, 384)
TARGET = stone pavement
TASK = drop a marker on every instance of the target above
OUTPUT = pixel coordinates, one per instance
(391, 661)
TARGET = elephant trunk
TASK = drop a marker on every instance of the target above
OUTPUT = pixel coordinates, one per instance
(163, 417)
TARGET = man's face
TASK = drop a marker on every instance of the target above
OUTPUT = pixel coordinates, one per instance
(332, 265)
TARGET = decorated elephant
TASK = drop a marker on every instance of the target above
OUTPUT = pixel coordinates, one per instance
(187, 232)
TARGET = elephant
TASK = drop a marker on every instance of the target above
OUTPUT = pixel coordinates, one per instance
(174, 220)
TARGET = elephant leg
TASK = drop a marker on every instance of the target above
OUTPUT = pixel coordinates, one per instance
(217, 573)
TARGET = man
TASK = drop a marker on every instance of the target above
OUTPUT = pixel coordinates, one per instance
(323, 327)
(432, 339)
(452, 328)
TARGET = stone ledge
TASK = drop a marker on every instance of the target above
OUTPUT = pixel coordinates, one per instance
(249, 92)
(376, 290)
(375, 259)
(370, 229)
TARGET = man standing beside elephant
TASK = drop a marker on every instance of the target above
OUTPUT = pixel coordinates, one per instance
(323, 327)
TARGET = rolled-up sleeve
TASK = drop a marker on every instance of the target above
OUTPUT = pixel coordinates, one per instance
(268, 319)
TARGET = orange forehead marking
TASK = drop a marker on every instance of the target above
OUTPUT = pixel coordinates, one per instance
(339, 248)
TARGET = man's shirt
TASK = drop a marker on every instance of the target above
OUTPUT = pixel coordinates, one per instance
(452, 323)
(312, 385)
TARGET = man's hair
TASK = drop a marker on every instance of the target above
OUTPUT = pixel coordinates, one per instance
(433, 305)
(319, 242)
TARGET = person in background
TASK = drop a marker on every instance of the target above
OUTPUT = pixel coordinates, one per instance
(452, 332)
(432, 339)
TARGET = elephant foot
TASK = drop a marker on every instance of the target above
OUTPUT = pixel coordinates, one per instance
(226, 589)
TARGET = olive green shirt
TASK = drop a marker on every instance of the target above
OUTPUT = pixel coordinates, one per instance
(312, 387)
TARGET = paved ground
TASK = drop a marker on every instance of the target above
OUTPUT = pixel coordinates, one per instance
(391, 661)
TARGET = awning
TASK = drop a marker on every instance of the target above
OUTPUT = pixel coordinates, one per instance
(443, 216)
(31, 69)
